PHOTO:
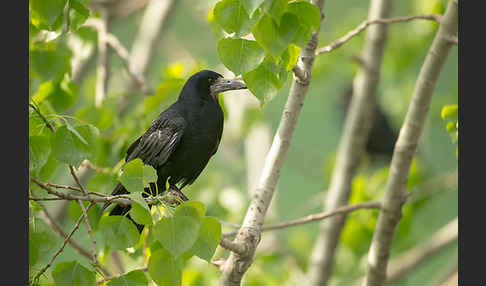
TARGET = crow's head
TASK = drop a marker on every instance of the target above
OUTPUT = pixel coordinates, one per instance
(207, 84)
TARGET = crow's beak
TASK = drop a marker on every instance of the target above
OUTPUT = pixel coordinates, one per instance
(225, 84)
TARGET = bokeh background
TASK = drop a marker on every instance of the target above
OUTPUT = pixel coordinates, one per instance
(187, 43)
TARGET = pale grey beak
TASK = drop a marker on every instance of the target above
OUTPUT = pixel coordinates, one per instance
(225, 84)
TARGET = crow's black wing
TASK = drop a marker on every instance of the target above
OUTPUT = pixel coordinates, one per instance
(159, 142)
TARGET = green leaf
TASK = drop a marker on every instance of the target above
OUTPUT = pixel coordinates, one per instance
(232, 16)
(68, 147)
(39, 150)
(307, 13)
(136, 176)
(251, 5)
(61, 95)
(164, 269)
(50, 64)
(451, 127)
(273, 38)
(265, 81)
(177, 234)
(240, 55)
(79, 6)
(65, 94)
(140, 211)
(166, 92)
(275, 8)
(208, 238)
(449, 111)
(118, 232)
(191, 208)
(73, 274)
(132, 278)
(45, 13)
(290, 57)
(41, 240)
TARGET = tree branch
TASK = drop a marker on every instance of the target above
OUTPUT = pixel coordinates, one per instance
(249, 234)
(123, 200)
(409, 260)
(406, 146)
(352, 144)
(68, 237)
(314, 217)
(365, 24)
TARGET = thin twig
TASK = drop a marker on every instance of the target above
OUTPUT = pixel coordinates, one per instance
(48, 124)
(361, 27)
(74, 189)
(76, 179)
(315, 217)
(121, 51)
(68, 237)
(90, 232)
(95, 168)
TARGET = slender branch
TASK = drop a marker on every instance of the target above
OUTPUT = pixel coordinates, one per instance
(95, 168)
(48, 124)
(250, 232)
(90, 232)
(68, 237)
(121, 51)
(151, 24)
(315, 217)
(101, 26)
(409, 260)
(61, 232)
(125, 56)
(76, 179)
(352, 144)
(406, 146)
(365, 24)
(74, 189)
(155, 16)
(123, 200)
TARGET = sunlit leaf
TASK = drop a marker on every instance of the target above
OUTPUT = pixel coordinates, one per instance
(240, 55)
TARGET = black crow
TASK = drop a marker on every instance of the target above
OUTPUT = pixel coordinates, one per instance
(182, 139)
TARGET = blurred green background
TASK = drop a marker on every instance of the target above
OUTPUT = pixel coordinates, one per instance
(188, 43)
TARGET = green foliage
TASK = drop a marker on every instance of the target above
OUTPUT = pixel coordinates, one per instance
(45, 14)
(73, 274)
(136, 176)
(279, 28)
(266, 80)
(164, 268)
(449, 114)
(208, 238)
(177, 234)
(140, 211)
(132, 278)
(39, 150)
(118, 232)
(73, 144)
(232, 16)
(240, 55)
